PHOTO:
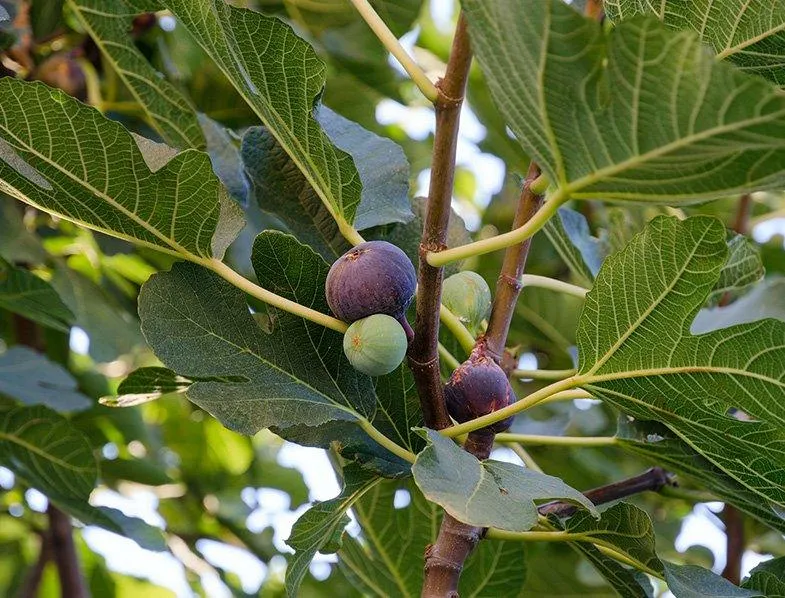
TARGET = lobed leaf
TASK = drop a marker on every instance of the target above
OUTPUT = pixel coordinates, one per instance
(689, 581)
(639, 113)
(768, 578)
(751, 35)
(65, 158)
(280, 77)
(108, 22)
(634, 341)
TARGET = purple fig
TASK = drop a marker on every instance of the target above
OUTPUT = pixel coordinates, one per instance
(479, 387)
(372, 278)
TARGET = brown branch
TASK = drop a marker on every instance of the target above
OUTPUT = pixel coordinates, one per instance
(424, 349)
(64, 551)
(508, 286)
(734, 532)
(652, 480)
(32, 582)
(741, 222)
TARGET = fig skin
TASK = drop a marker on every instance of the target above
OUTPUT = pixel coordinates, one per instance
(372, 278)
(375, 345)
(479, 387)
(467, 295)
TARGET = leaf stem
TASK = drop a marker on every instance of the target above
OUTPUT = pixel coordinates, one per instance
(543, 374)
(459, 331)
(525, 403)
(271, 298)
(393, 447)
(448, 358)
(523, 455)
(559, 286)
(537, 440)
(395, 48)
(536, 536)
(442, 258)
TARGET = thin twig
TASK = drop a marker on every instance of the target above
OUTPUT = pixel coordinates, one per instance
(652, 480)
(395, 48)
(509, 286)
(34, 575)
(424, 349)
(553, 284)
(64, 551)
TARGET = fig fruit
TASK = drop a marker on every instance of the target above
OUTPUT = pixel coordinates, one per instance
(479, 387)
(375, 345)
(466, 294)
(372, 278)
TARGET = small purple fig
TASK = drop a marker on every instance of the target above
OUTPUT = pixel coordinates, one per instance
(479, 387)
(372, 278)
(375, 345)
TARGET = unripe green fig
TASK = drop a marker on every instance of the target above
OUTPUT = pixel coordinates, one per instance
(375, 345)
(466, 294)
(479, 387)
(372, 278)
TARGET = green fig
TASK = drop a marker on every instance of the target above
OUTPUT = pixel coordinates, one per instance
(466, 294)
(375, 345)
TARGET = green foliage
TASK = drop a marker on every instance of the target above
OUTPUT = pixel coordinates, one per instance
(164, 246)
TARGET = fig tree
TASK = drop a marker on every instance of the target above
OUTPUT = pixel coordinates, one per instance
(479, 387)
(372, 278)
(375, 345)
(466, 294)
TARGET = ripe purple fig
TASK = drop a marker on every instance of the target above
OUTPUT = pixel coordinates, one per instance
(372, 278)
(479, 387)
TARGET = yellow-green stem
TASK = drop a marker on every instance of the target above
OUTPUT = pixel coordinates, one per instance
(548, 209)
(559, 286)
(525, 403)
(448, 358)
(271, 298)
(523, 455)
(543, 374)
(459, 331)
(502, 534)
(537, 440)
(388, 39)
(391, 446)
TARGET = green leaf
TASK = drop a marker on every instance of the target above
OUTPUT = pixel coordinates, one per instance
(25, 294)
(222, 147)
(634, 340)
(689, 581)
(494, 569)
(662, 447)
(49, 453)
(319, 525)
(166, 109)
(17, 244)
(623, 528)
(145, 385)
(139, 471)
(113, 520)
(96, 176)
(765, 300)
(112, 330)
(31, 379)
(44, 16)
(743, 269)
(569, 234)
(638, 113)
(486, 493)
(200, 327)
(627, 582)
(280, 77)
(388, 561)
(282, 190)
(768, 578)
(749, 34)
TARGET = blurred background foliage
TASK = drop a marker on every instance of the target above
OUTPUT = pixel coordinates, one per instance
(218, 506)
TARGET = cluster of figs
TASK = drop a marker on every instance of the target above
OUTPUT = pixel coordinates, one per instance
(372, 285)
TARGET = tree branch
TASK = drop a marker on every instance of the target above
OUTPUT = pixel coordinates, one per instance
(32, 582)
(652, 480)
(424, 349)
(508, 286)
(64, 552)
